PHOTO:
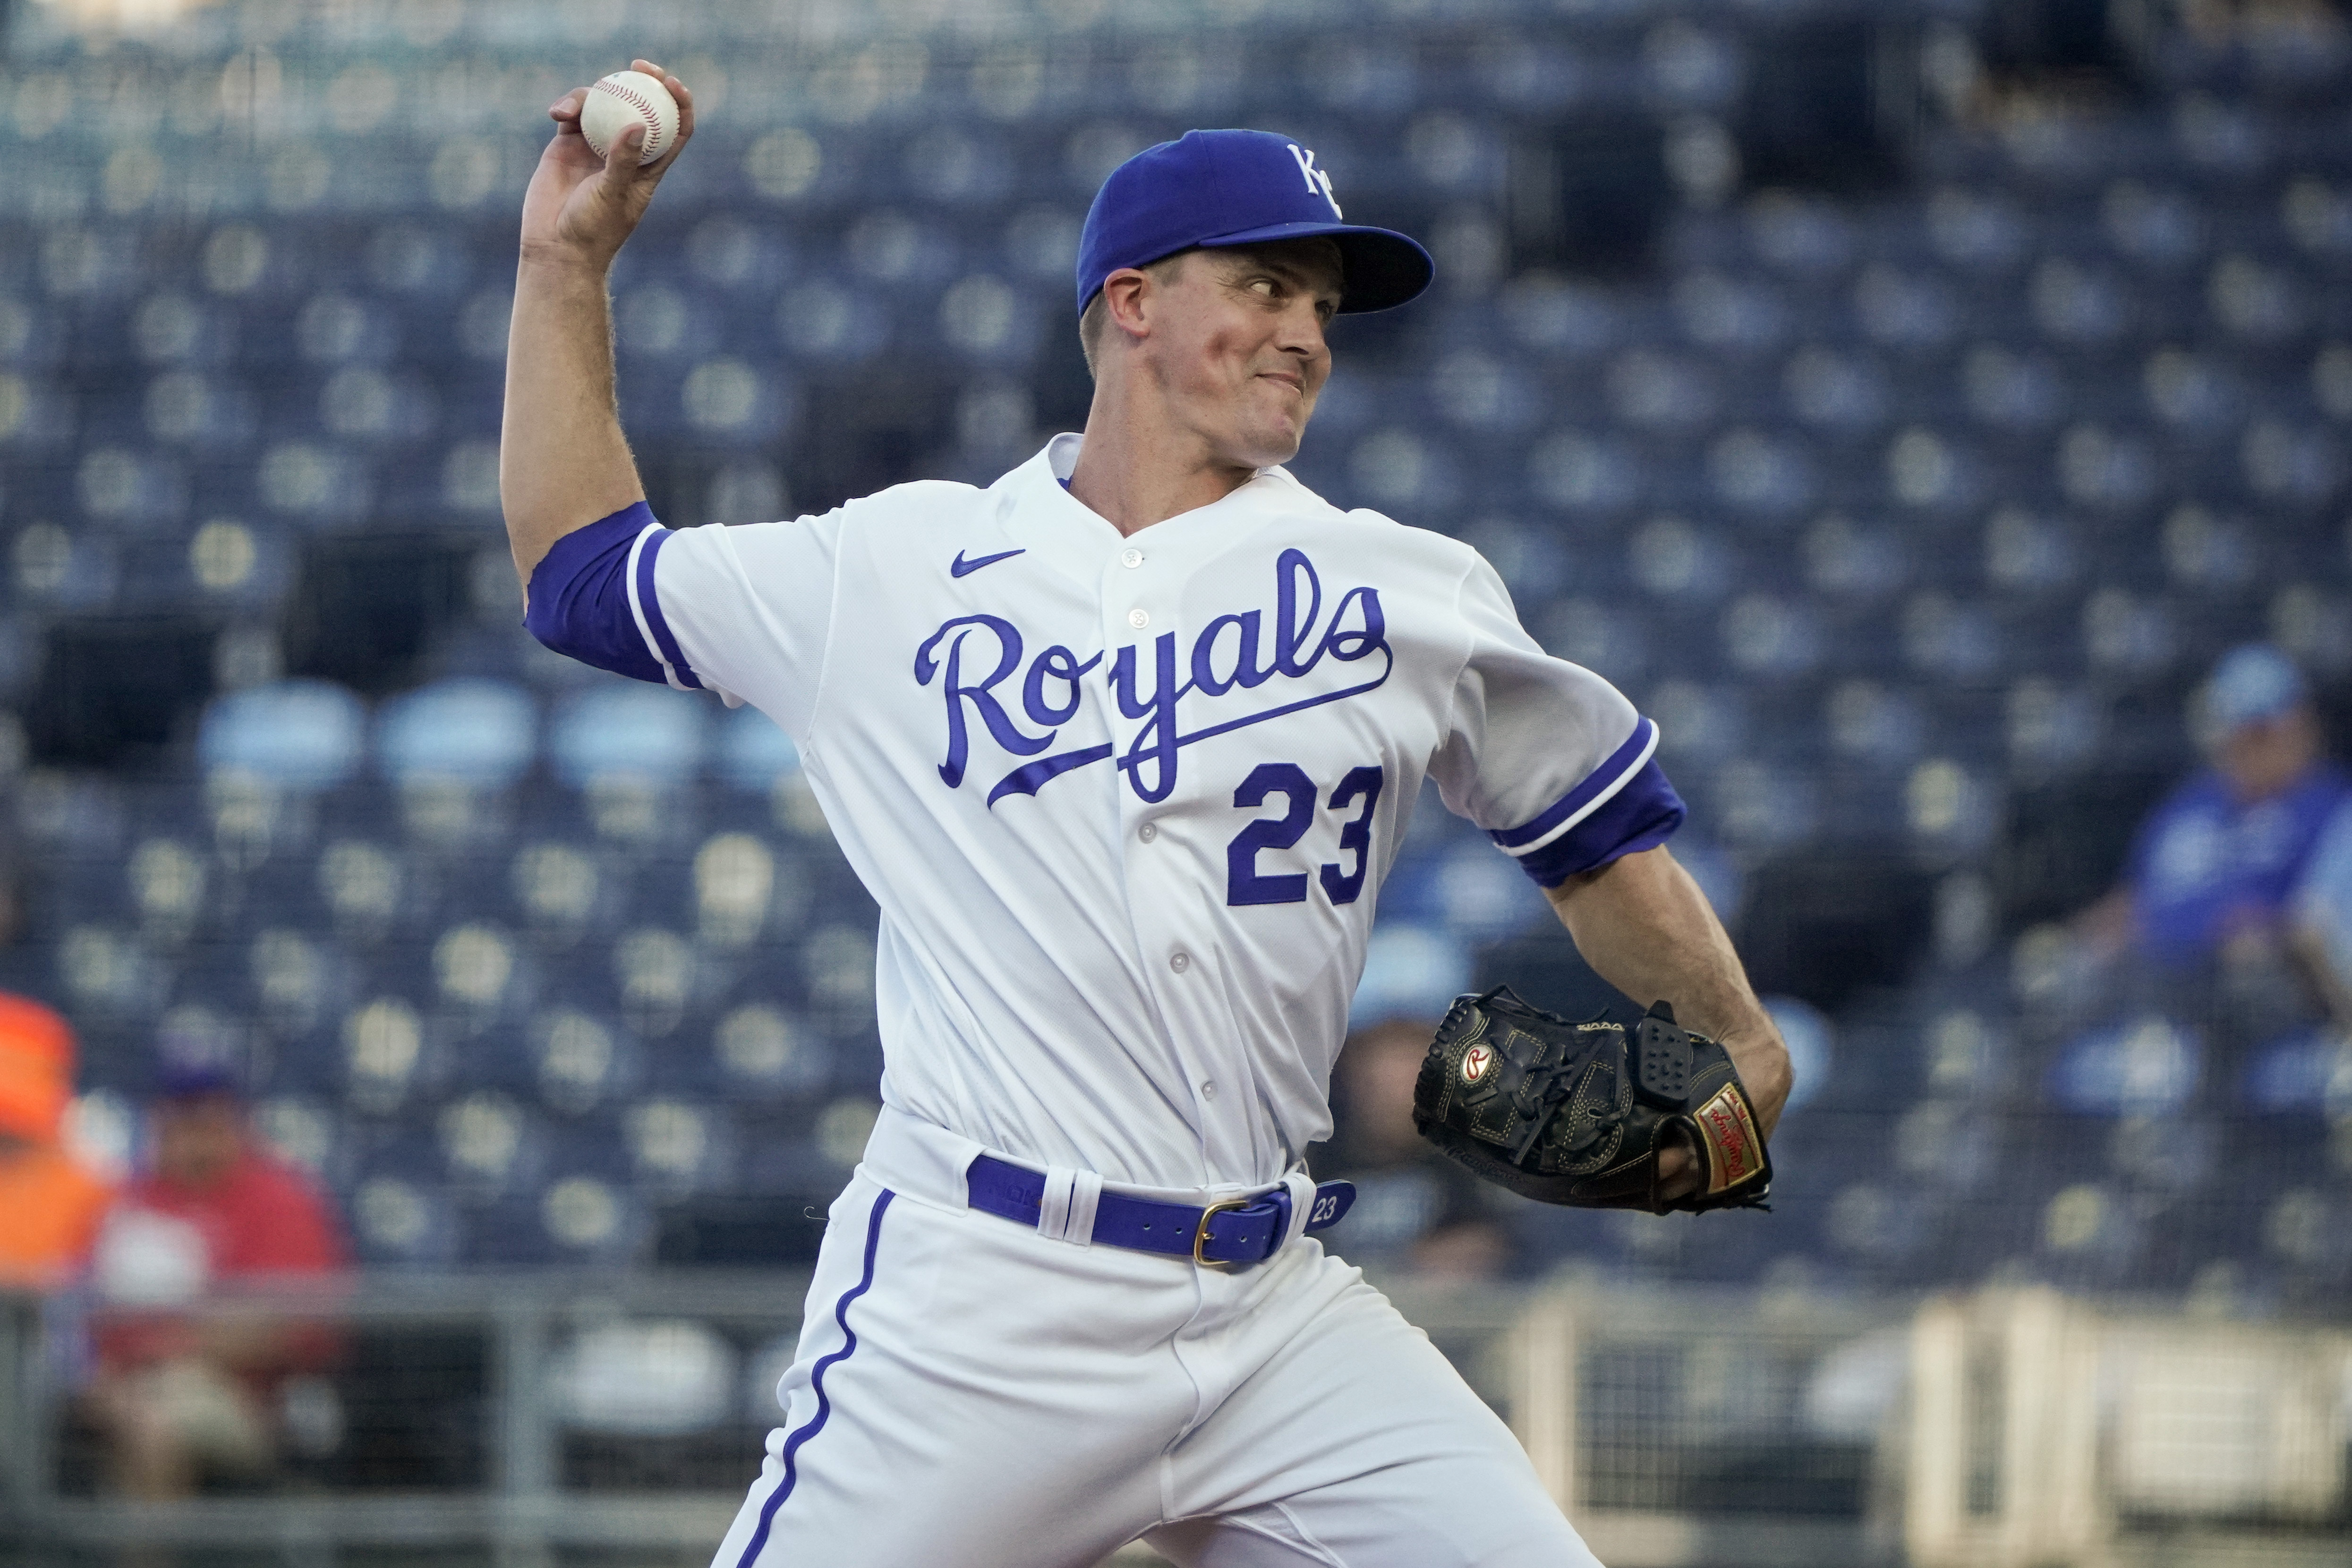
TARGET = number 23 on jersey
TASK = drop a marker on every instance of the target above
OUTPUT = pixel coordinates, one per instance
(1358, 794)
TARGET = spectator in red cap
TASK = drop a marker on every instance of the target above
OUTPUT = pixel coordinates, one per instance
(49, 1201)
(182, 1396)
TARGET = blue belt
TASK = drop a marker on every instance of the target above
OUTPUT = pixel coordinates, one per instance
(1233, 1233)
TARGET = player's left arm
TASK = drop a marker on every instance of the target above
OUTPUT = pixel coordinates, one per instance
(1562, 772)
(1646, 928)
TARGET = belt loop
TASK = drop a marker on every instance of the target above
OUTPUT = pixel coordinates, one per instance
(1066, 1211)
(1301, 1187)
(1086, 1192)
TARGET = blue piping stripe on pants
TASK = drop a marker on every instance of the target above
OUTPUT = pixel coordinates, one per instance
(791, 1451)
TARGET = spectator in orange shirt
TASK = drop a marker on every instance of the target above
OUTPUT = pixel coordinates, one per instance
(182, 1396)
(49, 1201)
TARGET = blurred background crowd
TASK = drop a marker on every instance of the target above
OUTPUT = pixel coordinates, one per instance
(1937, 414)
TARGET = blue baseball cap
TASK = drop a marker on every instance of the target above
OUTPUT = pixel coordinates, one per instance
(1210, 189)
(2252, 682)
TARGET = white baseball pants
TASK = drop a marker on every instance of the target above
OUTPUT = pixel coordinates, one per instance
(970, 1393)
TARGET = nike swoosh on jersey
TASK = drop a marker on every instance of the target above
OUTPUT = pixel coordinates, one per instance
(959, 567)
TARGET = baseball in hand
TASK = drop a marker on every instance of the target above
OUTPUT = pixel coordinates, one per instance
(625, 97)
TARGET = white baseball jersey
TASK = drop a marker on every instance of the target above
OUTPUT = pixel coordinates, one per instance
(1126, 803)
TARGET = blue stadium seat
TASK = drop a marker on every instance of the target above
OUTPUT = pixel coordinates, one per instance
(1979, 230)
(679, 1146)
(1911, 310)
(581, 1058)
(1835, 390)
(2153, 225)
(586, 1218)
(491, 1144)
(560, 893)
(2307, 1073)
(295, 734)
(401, 1219)
(465, 730)
(753, 751)
(618, 730)
(1874, 723)
(2145, 1066)
(759, 1049)
(1803, 235)
(827, 323)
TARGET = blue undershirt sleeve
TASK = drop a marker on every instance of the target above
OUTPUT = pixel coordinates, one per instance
(579, 604)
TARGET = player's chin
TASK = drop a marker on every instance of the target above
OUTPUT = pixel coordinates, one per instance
(1273, 434)
(1269, 444)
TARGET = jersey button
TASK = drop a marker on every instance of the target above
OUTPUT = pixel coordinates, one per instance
(1138, 619)
(1130, 558)
(1148, 832)
(1209, 1090)
(1179, 962)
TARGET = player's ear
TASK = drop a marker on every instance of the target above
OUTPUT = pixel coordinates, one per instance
(1126, 295)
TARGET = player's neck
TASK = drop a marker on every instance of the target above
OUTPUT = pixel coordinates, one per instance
(1131, 473)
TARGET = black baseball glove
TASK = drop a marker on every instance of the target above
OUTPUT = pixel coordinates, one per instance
(1578, 1114)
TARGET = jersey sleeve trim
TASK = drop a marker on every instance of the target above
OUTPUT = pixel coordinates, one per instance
(1642, 816)
(1564, 814)
(644, 604)
(1625, 806)
(582, 601)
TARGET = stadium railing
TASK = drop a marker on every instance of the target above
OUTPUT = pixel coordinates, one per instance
(529, 1420)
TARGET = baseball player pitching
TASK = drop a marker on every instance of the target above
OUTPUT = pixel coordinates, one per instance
(1123, 745)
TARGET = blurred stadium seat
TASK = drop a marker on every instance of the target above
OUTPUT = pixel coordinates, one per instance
(301, 734)
(464, 731)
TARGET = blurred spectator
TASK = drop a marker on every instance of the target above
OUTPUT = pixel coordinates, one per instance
(49, 1201)
(2323, 918)
(182, 1397)
(2213, 868)
(1416, 1209)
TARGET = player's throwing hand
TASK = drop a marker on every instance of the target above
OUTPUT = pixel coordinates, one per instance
(581, 208)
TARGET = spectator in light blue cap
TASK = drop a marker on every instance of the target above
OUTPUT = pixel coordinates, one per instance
(2252, 687)
(2213, 867)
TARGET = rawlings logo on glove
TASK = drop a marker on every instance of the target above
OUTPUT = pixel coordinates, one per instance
(1579, 1114)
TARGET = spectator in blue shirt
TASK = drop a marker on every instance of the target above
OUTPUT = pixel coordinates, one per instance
(2322, 922)
(2215, 867)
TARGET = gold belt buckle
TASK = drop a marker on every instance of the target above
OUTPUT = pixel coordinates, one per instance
(1201, 1236)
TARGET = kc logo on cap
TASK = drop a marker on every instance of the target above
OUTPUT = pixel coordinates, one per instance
(1210, 189)
(1316, 179)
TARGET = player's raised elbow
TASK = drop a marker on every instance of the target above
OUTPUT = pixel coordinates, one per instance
(578, 601)
(540, 514)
